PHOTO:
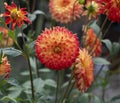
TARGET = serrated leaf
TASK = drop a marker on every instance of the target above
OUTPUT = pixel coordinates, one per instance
(51, 83)
(101, 61)
(108, 44)
(11, 52)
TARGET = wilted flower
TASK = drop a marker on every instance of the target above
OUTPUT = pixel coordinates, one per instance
(15, 15)
(111, 8)
(92, 42)
(65, 11)
(5, 40)
(57, 48)
(4, 66)
(83, 71)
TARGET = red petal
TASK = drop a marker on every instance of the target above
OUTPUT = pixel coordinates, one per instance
(8, 20)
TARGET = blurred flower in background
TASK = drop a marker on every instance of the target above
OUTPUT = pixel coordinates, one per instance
(111, 8)
(6, 41)
(57, 48)
(92, 41)
(15, 15)
(4, 66)
(65, 11)
(83, 71)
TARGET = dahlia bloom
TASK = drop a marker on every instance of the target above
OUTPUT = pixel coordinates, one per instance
(15, 15)
(57, 48)
(91, 41)
(4, 66)
(65, 11)
(83, 71)
(111, 8)
(5, 39)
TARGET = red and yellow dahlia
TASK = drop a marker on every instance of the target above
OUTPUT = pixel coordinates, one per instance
(92, 42)
(4, 66)
(6, 40)
(65, 11)
(15, 15)
(111, 8)
(57, 48)
(83, 71)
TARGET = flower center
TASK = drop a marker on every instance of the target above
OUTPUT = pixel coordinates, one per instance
(57, 50)
(14, 13)
(65, 3)
(117, 3)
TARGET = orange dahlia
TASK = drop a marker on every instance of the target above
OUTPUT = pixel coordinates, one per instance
(92, 42)
(111, 8)
(83, 71)
(15, 15)
(65, 11)
(4, 66)
(5, 41)
(57, 48)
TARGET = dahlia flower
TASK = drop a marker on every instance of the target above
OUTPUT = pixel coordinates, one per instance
(83, 71)
(65, 11)
(5, 39)
(15, 15)
(111, 8)
(4, 66)
(57, 48)
(91, 41)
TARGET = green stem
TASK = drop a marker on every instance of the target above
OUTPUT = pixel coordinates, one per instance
(107, 29)
(57, 90)
(30, 68)
(67, 89)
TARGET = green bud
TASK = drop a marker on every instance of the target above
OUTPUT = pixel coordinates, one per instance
(82, 1)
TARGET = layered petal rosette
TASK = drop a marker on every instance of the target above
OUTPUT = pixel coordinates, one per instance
(57, 48)
(83, 71)
(65, 11)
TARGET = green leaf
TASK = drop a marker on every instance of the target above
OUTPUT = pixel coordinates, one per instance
(51, 83)
(15, 91)
(115, 98)
(115, 49)
(108, 44)
(101, 61)
(1, 36)
(44, 70)
(11, 52)
(96, 27)
(38, 12)
(96, 100)
(11, 34)
(7, 98)
(38, 84)
(13, 82)
(84, 98)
